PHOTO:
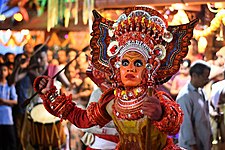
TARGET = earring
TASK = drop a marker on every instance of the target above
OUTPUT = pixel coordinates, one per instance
(117, 64)
(148, 66)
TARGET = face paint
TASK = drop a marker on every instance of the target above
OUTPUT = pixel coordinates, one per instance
(132, 67)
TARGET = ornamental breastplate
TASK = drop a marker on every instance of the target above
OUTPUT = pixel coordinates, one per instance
(133, 137)
(131, 125)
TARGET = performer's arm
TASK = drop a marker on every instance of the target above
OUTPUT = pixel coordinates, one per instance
(164, 112)
(62, 106)
(172, 115)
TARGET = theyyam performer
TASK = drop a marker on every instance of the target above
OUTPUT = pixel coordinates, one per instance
(137, 52)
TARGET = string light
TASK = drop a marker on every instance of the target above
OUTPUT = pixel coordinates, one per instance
(2, 17)
(18, 17)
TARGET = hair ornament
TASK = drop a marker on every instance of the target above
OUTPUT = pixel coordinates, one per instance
(117, 64)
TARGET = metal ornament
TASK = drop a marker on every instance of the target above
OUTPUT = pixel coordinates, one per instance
(160, 51)
(167, 36)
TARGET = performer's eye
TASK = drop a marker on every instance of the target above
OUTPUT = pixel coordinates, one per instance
(125, 62)
(138, 63)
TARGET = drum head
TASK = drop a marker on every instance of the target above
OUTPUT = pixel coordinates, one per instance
(40, 114)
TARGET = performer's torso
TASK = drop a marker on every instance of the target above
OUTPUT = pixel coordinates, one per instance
(132, 133)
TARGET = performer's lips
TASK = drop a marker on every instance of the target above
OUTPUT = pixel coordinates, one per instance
(129, 76)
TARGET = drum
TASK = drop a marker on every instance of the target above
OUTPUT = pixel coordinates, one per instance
(47, 132)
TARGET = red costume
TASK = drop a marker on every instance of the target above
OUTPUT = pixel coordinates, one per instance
(137, 52)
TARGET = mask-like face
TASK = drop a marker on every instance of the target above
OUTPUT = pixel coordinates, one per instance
(132, 68)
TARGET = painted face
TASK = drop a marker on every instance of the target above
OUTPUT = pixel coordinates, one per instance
(131, 69)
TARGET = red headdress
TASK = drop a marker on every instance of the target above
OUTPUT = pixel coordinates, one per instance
(145, 30)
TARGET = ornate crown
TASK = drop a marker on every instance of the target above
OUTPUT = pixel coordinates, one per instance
(146, 31)
(141, 27)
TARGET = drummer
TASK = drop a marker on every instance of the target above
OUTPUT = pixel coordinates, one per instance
(37, 65)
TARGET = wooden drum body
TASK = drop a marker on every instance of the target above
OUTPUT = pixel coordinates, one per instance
(47, 132)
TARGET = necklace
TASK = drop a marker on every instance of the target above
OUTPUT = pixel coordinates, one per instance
(128, 103)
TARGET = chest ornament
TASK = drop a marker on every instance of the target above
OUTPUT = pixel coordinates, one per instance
(128, 103)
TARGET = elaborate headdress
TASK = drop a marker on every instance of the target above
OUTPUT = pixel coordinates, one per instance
(146, 31)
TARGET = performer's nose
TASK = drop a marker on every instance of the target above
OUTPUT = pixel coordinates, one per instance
(131, 68)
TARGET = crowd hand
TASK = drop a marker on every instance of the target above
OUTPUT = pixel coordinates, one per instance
(152, 108)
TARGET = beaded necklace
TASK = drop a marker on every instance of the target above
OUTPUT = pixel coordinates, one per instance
(128, 103)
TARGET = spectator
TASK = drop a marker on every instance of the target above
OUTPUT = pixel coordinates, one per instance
(20, 78)
(72, 53)
(193, 54)
(217, 114)
(86, 87)
(9, 60)
(8, 98)
(2, 59)
(195, 132)
(62, 58)
(182, 78)
(9, 57)
(220, 61)
(50, 55)
(28, 49)
(87, 51)
(82, 63)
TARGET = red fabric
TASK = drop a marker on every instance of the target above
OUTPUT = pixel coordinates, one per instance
(63, 107)
(51, 70)
(88, 148)
(112, 138)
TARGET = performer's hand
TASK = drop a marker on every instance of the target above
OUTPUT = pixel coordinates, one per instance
(42, 84)
(152, 108)
(57, 105)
